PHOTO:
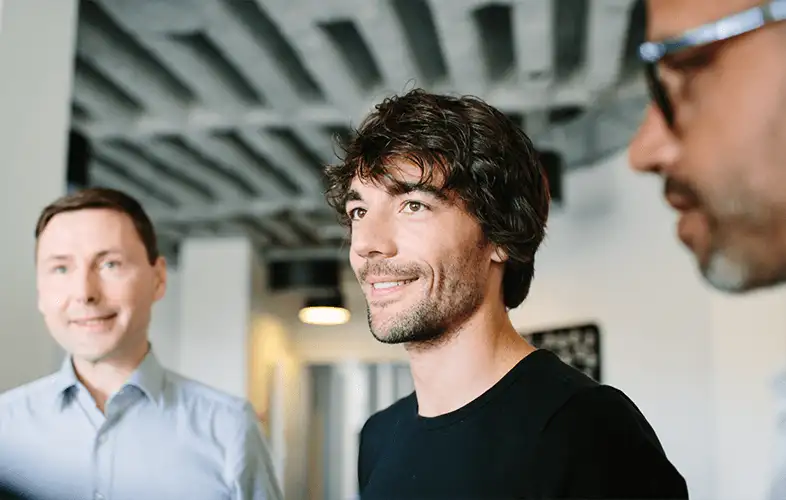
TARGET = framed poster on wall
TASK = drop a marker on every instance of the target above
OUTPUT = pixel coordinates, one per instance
(577, 345)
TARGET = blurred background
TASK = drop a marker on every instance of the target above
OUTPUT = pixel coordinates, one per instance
(219, 115)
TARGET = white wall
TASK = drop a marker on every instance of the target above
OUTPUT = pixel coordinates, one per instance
(36, 58)
(165, 324)
(696, 363)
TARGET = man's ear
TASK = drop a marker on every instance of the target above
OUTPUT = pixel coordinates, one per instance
(160, 269)
(499, 255)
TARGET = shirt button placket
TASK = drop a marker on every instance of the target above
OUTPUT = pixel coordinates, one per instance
(102, 462)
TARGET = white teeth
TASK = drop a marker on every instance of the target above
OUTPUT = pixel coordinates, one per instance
(390, 284)
(97, 321)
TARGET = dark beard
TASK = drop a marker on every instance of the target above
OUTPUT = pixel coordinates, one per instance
(433, 322)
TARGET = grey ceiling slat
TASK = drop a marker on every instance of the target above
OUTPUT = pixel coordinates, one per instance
(274, 149)
(533, 33)
(176, 50)
(460, 43)
(536, 124)
(416, 21)
(252, 61)
(94, 47)
(253, 208)
(299, 26)
(187, 166)
(281, 231)
(385, 40)
(134, 165)
(307, 232)
(227, 155)
(493, 24)
(106, 178)
(333, 232)
(245, 227)
(210, 85)
(605, 47)
(134, 182)
(208, 120)
(95, 100)
(319, 142)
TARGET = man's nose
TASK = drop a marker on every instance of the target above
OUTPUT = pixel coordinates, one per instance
(654, 146)
(86, 287)
(374, 237)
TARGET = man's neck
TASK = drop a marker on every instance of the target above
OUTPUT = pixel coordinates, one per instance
(450, 375)
(104, 378)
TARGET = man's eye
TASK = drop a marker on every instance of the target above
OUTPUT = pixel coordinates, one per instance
(415, 206)
(356, 213)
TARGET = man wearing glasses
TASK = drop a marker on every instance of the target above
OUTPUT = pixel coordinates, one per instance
(716, 133)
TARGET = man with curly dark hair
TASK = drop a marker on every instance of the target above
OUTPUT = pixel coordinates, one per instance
(447, 206)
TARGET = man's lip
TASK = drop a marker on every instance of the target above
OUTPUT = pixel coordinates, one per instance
(680, 202)
(93, 318)
(388, 279)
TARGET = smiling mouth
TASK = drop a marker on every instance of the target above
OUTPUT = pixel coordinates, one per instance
(387, 285)
(388, 289)
(95, 321)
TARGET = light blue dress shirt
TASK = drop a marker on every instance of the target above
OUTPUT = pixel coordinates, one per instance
(162, 437)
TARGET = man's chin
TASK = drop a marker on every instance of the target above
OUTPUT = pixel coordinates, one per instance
(725, 274)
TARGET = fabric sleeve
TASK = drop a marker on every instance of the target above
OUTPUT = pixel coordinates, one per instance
(252, 472)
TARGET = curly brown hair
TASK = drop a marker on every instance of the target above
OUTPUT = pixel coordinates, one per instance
(477, 153)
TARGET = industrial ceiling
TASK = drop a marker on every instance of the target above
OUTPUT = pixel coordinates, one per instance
(218, 115)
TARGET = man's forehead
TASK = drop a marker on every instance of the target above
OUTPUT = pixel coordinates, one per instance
(670, 18)
(400, 174)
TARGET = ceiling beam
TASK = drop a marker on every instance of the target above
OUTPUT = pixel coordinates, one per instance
(204, 119)
(100, 106)
(258, 208)
(172, 47)
(238, 161)
(509, 97)
(104, 177)
(181, 162)
(127, 73)
(272, 147)
(300, 27)
(533, 38)
(605, 47)
(458, 39)
(256, 64)
(377, 23)
(138, 167)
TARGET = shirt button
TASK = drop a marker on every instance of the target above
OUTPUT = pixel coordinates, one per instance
(101, 440)
(98, 496)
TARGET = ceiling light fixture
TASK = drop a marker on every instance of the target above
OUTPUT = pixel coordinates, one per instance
(324, 311)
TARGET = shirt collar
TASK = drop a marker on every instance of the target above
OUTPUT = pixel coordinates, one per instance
(148, 377)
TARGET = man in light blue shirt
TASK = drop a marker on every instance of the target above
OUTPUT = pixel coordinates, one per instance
(113, 423)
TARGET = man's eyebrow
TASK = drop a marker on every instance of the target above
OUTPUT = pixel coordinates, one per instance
(400, 188)
(352, 195)
(100, 255)
(56, 258)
